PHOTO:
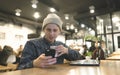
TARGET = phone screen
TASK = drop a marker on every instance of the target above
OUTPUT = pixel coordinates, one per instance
(50, 52)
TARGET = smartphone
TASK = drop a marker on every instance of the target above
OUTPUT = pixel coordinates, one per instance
(50, 52)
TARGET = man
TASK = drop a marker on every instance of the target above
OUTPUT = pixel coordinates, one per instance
(34, 51)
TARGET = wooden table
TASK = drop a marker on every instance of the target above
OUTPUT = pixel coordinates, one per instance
(107, 67)
(114, 56)
(4, 68)
(9, 67)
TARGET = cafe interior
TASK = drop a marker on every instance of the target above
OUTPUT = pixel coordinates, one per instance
(84, 23)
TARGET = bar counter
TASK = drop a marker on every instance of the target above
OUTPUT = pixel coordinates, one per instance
(107, 67)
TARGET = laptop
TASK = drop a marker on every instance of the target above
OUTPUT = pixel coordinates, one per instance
(85, 62)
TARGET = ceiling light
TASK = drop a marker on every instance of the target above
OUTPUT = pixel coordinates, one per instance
(67, 27)
(76, 30)
(92, 9)
(52, 10)
(72, 26)
(66, 16)
(34, 3)
(89, 29)
(18, 11)
(36, 15)
(82, 25)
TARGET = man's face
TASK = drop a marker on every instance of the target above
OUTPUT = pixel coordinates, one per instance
(96, 44)
(51, 32)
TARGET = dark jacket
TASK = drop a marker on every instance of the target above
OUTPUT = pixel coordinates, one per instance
(35, 48)
(5, 53)
(98, 53)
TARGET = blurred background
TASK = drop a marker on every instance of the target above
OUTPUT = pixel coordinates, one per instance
(85, 21)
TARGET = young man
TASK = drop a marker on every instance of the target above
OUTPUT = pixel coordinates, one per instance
(34, 51)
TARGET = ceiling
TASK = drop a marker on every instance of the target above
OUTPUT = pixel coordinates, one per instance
(77, 9)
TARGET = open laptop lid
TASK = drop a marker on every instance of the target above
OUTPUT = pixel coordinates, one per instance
(85, 62)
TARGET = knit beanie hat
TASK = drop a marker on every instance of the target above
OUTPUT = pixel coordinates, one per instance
(52, 18)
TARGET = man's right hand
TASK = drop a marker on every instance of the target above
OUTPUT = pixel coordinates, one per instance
(44, 61)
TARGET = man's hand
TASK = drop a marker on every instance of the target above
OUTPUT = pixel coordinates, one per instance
(44, 61)
(60, 50)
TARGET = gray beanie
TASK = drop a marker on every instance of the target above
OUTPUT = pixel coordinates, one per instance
(52, 18)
